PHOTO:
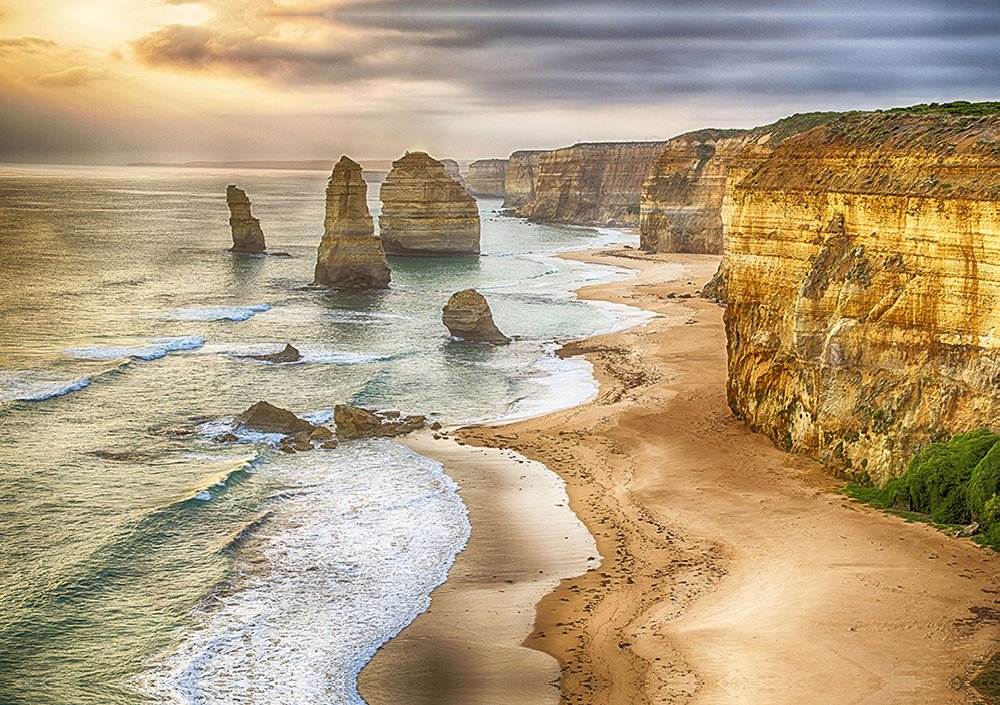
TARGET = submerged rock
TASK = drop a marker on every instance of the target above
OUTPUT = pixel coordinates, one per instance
(468, 316)
(350, 256)
(247, 235)
(425, 211)
(288, 354)
(355, 422)
(126, 456)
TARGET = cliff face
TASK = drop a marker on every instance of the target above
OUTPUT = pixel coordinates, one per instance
(520, 177)
(486, 177)
(427, 212)
(682, 197)
(247, 235)
(863, 278)
(350, 256)
(681, 204)
(591, 184)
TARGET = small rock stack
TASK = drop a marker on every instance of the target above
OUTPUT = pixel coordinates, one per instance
(247, 236)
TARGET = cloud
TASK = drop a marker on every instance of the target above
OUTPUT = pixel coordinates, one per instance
(72, 77)
(18, 45)
(588, 51)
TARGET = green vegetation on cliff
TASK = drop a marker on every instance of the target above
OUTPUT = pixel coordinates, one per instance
(953, 483)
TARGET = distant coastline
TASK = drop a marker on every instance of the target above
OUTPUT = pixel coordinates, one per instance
(375, 170)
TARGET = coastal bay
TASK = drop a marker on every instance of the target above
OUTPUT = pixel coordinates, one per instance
(732, 572)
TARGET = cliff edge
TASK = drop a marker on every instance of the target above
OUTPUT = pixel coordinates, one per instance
(863, 281)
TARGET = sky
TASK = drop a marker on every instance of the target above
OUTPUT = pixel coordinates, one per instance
(112, 81)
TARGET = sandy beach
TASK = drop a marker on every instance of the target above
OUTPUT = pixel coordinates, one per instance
(732, 572)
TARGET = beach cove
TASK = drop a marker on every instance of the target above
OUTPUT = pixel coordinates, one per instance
(731, 572)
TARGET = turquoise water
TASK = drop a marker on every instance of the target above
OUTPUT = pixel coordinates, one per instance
(185, 571)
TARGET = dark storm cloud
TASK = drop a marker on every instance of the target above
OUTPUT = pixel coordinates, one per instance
(589, 51)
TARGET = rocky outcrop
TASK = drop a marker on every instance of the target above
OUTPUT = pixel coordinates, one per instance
(425, 211)
(247, 236)
(863, 277)
(267, 418)
(350, 256)
(468, 316)
(486, 178)
(354, 422)
(715, 289)
(298, 434)
(286, 354)
(591, 184)
(520, 177)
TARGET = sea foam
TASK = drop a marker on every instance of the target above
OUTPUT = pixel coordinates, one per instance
(34, 385)
(153, 349)
(355, 543)
(222, 313)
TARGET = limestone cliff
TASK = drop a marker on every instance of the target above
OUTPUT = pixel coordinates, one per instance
(591, 184)
(350, 256)
(863, 281)
(682, 197)
(520, 177)
(425, 211)
(681, 204)
(247, 235)
(486, 177)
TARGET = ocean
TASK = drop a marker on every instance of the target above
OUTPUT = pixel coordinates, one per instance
(141, 564)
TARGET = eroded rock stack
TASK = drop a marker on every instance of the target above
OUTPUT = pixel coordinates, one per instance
(425, 211)
(350, 256)
(486, 178)
(468, 316)
(247, 236)
(863, 278)
(589, 184)
(452, 169)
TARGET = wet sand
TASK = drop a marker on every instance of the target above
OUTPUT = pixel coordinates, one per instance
(468, 647)
(733, 572)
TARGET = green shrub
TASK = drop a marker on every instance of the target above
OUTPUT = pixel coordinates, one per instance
(955, 482)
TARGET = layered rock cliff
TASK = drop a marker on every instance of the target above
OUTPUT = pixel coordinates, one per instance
(425, 211)
(863, 281)
(591, 184)
(350, 256)
(520, 177)
(247, 235)
(681, 204)
(486, 178)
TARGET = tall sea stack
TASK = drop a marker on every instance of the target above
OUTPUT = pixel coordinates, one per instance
(247, 235)
(350, 256)
(425, 211)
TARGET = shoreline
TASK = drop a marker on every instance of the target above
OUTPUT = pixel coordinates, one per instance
(733, 572)
(524, 540)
